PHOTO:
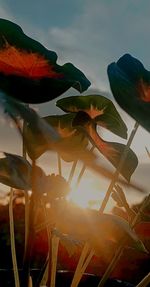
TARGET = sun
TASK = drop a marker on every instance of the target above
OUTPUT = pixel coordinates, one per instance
(88, 194)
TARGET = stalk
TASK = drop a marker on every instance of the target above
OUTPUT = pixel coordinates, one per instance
(55, 244)
(82, 170)
(119, 251)
(59, 164)
(31, 233)
(104, 203)
(12, 240)
(81, 261)
(120, 165)
(26, 195)
(72, 171)
(145, 281)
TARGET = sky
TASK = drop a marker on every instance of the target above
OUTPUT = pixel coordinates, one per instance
(91, 35)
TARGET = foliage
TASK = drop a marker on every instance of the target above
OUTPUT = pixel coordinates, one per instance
(29, 73)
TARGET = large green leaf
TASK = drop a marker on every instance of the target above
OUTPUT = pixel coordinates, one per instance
(99, 108)
(130, 85)
(29, 72)
(15, 171)
(72, 141)
(90, 225)
(111, 150)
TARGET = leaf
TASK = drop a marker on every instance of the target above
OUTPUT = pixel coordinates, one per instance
(29, 72)
(38, 130)
(111, 150)
(130, 85)
(99, 109)
(90, 225)
(68, 242)
(16, 109)
(15, 171)
(73, 142)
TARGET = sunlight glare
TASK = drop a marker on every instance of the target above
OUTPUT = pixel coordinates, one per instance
(88, 194)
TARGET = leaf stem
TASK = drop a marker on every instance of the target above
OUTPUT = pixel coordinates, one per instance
(118, 252)
(72, 171)
(59, 164)
(55, 244)
(12, 240)
(83, 170)
(120, 165)
(145, 281)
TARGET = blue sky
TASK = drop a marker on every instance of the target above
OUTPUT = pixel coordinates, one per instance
(91, 35)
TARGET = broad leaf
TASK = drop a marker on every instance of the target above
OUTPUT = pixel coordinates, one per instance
(14, 109)
(99, 109)
(38, 131)
(111, 150)
(90, 225)
(73, 141)
(29, 72)
(130, 85)
(15, 171)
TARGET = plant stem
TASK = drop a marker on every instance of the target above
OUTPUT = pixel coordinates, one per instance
(55, 244)
(31, 233)
(81, 261)
(120, 165)
(83, 170)
(59, 165)
(118, 252)
(12, 240)
(145, 281)
(72, 171)
(26, 195)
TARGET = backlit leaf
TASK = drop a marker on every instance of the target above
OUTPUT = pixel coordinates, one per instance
(130, 85)
(29, 72)
(15, 171)
(99, 109)
(90, 225)
(111, 150)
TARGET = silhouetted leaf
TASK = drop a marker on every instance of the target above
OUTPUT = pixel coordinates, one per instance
(91, 226)
(29, 72)
(38, 131)
(130, 85)
(99, 109)
(19, 111)
(72, 141)
(111, 150)
(15, 171)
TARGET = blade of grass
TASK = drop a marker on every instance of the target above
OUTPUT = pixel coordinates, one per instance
(12, 240)
(145, 281)
(120, 248)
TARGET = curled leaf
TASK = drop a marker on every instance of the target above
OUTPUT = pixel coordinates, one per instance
(130, 85)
